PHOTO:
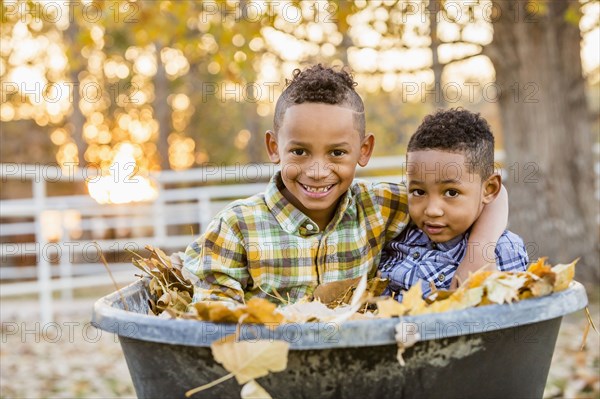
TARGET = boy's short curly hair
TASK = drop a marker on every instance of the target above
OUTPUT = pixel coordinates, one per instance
(459, 131)
(320, 84)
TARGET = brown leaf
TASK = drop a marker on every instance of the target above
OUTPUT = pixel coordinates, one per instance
(330, 292)
(377, 285)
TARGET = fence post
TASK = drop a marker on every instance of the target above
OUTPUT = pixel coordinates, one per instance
(43, 264)
(65, 265)
(160, 228)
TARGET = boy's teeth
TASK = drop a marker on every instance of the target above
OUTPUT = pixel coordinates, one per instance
(317, 190)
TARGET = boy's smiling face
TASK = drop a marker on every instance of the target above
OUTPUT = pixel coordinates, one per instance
(444, 196)
(319, 148)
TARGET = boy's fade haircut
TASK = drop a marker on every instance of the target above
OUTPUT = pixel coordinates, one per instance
(320, 84)
(459, 131)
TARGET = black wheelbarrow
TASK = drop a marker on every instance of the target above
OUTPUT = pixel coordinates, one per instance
(494, 351)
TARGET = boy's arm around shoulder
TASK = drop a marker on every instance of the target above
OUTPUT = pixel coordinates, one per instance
(218, 259)
(485, 233)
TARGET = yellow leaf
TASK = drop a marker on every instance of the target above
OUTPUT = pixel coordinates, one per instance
(248, 360)
(538, 268)
(564, 275)
(459, 300)
(262, 311)
(252, 390)
(503, 287)
(413, 299)
(220, 313)
(477, 278)
(389, 307)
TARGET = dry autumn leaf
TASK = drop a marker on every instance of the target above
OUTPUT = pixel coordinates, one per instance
(261, 311)
(248, 360)
(407, 334)
(252, 390)
(413, 299)
(503, 288)
(460, 299)
(389, 307)
(564, 275)
(305, 311)
(329, 292)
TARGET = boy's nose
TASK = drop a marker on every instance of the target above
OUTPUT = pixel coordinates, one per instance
(434, 209)
(318, 170)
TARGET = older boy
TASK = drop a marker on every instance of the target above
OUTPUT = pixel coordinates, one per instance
(312, 225)
(451, 179)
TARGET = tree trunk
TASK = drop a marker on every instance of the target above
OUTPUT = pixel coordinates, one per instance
(547, 133)
(434, 7)
(162, 111)
(76, 119)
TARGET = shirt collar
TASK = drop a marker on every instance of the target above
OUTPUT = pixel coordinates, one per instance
(290, 218)
(416, 236)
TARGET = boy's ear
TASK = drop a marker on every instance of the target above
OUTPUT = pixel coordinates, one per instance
(366, 149)
(272, 147)
(491, 188)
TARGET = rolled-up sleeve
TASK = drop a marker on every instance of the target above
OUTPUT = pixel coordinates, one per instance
(218, 258)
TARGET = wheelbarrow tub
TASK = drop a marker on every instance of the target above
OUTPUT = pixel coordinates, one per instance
(494, 351)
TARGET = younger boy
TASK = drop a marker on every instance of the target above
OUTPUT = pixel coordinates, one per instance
(451, 179)
(313, 224)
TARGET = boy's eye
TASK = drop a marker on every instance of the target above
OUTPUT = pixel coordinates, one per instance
(298, 152)
(417, 192)
(451, 193)
(338, 153)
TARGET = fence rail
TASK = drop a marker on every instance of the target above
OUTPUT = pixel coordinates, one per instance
(54, 241)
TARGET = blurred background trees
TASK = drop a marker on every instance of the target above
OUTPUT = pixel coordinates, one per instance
(178, 84)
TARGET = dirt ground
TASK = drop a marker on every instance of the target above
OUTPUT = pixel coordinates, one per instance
(71, 359)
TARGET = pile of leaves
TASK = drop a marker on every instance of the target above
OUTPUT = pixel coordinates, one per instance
(171, 291)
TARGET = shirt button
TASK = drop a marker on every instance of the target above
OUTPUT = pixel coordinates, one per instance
(434, 245)
(416, 255)
(309, 227)
(441, 277)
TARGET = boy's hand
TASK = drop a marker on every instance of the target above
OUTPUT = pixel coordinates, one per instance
(456, 282)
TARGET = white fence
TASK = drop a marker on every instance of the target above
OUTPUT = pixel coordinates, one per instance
(50, 243)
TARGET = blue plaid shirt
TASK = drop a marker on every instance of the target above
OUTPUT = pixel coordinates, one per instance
(412, 256)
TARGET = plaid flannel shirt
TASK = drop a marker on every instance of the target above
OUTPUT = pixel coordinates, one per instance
(412, 256)
(264, 244)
